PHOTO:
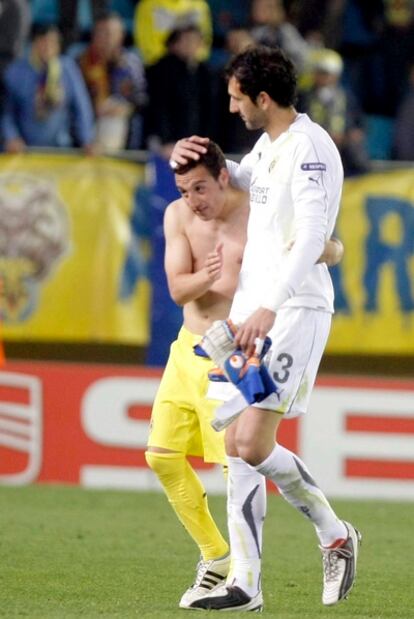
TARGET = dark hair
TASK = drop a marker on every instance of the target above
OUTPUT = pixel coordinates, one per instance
(264, 69)
(39, 30)
(176, 34)
(213, 160)
(108, 16)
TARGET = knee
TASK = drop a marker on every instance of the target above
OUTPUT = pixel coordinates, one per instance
(163, 464)
(153, 460)
(251, 451)
(248, 451)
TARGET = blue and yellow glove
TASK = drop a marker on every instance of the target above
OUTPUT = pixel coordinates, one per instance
(248, 374)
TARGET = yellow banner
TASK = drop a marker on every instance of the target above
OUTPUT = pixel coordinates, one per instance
(374, 284)
(72, 267)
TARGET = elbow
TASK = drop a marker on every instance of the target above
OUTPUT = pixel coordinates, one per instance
(178, 296)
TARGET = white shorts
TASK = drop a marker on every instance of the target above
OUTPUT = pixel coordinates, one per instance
(299, 337)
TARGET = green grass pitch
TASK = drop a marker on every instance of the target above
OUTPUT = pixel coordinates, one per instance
(69, 552)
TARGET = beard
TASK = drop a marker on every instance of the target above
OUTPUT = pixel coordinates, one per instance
(253, 123)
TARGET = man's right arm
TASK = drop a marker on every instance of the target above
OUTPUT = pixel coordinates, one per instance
(194, 146)
(188, 148)
(184, 284)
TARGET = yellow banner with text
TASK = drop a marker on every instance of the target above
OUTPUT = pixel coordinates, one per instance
(374, 284)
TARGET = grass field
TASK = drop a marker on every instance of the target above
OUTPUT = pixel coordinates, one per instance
(68, 552)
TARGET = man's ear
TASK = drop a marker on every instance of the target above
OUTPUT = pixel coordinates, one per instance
(263, 100)
(224, 178)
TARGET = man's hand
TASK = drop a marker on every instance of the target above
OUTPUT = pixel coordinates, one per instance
(256, 327)
(214, 263)
(188, 148)
(218, 341)
(333, 252)
(248, 374)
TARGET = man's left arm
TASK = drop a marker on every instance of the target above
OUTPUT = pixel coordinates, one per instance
(310, 201)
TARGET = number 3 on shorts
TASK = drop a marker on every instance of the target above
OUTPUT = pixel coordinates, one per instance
(286, 362)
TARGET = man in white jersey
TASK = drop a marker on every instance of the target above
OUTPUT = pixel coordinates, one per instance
(205, 234)
(295, 177)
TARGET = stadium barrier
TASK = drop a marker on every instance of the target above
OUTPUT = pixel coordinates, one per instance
(88, 425)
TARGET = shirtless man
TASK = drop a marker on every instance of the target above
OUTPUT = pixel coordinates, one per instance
(205, 232)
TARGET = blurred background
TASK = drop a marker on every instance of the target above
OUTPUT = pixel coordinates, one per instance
(93, 95)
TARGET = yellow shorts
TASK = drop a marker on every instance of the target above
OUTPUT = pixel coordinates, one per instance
(181, 414)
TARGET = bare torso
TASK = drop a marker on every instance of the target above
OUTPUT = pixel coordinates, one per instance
(203, 237)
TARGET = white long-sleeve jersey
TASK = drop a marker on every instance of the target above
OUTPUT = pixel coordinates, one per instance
(295, 186)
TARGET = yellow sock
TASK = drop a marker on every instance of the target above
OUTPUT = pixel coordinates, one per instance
(188, 498)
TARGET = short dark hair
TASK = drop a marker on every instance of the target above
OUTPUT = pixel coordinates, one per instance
(213, 160)
(40, 30)
(264, 69)
(108, 16)
(176, 34)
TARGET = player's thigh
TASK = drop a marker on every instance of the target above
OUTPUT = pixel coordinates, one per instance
(261, 424)
(173, 422)
(299, 338)
(173, 427)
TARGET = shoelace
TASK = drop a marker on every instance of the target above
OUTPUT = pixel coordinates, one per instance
(330, 558)
(202, 567)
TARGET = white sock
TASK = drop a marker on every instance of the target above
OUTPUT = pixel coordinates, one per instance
(246, 510)
(296, 485)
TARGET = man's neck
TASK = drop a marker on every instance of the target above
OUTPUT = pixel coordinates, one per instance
(235, 200)
(280, 122)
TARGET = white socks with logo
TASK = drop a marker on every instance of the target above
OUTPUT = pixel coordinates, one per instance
(296, 485)
(246, 509)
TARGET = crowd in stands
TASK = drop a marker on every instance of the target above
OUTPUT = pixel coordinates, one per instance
(107, 75)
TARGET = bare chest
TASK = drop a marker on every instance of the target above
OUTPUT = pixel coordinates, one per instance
(206, 239)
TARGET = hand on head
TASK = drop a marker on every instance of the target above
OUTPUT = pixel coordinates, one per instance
(188, 148)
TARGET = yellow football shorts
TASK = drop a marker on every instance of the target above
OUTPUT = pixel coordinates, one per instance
(181, 414)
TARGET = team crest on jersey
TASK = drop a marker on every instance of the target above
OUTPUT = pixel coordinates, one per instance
(272, 164)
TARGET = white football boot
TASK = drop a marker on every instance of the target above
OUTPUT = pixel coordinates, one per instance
(339, 567)
(210, 574)
(229, 598)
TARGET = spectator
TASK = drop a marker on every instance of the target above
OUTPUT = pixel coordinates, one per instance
(15, 21)
(404, 124)
(45, 97)
(359, 43)
(270, 27)
(318, 21)
(397, 45)
(227, 15)
(181, 91)
(68, 23)
(14, 28)
(155, 19)
(115, 78)
(328, 103)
